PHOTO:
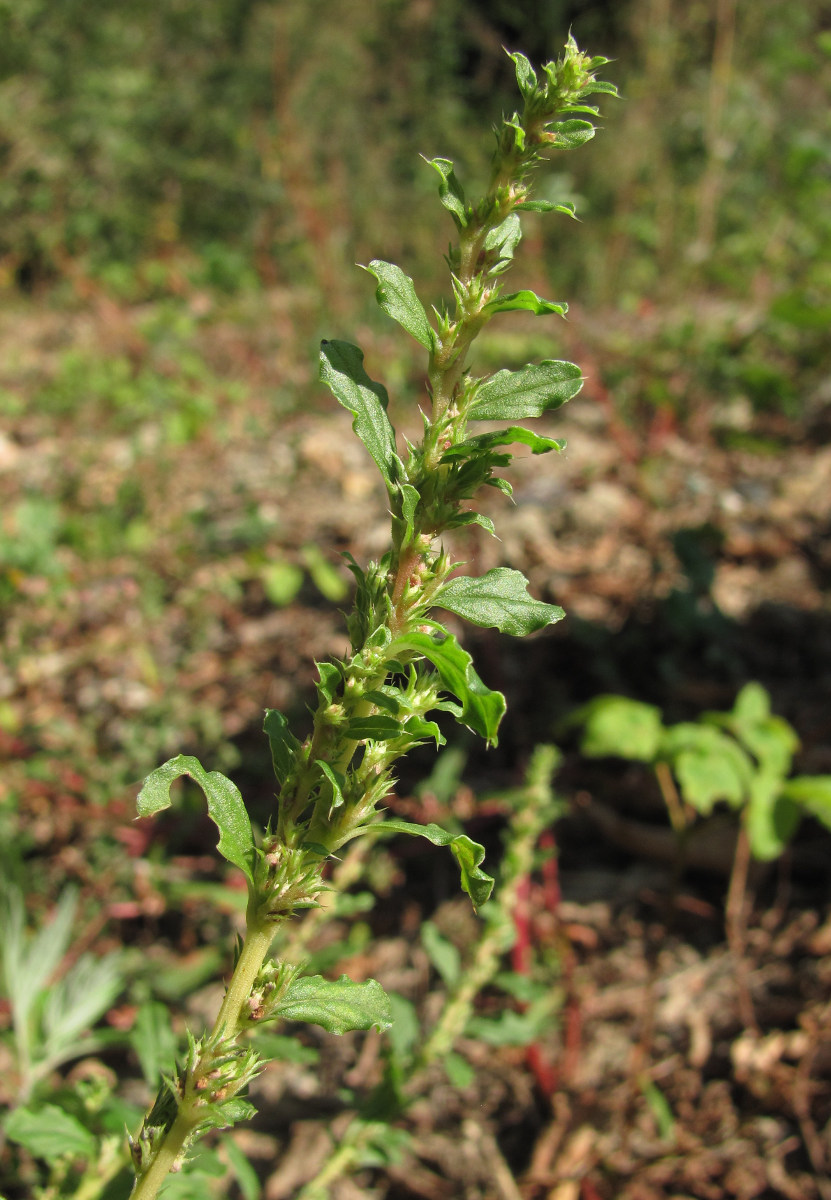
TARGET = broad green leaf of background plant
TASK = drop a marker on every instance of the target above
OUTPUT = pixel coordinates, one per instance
(709, 765)
(529, 392)
(225, 806)
(442, 953)
(396, 295)
(772, 818)
(481, 709)
(468, 854)
(526, 301)
(813, 794)
(615, 725)
(50, 1133)
(342, 370)
(499, 599)
(338, 1006)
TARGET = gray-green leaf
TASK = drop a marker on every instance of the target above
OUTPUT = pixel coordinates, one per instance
(225, 806)
(529, 392)
(500, 599)
(337, 1006)
(342, 370)
(50, 1133)
(396, 295)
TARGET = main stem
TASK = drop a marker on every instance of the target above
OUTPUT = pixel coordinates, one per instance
(226, 1029)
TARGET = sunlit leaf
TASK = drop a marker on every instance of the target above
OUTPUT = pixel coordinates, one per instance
(481, 709)
(225, 806)
(342, 370)
(499, 599)
(337, 1006)
(529, 392)
(396, 295)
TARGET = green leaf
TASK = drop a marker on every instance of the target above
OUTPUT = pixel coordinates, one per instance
(50, 1133)
(571, 134)
(325, 576)
(341, 369)
(338, 1006)
(710, 766)
(468, 854)
(503, 437)
(472, 518)
(526, 76)
(505, 238)
(225, 806)
(247, 1178)
(481, 709)
(409, 503)
(529, 392)
(442, 953)
(500, 599)
(451, 192)
(616, 725)
(153, 1040)
(772, 817)
(282, 741)
(547, 206)
(335, 779)
(525, 301)
(813, 794)
(459, 1071)
(330, 680)
(396, 295)
(378, 728)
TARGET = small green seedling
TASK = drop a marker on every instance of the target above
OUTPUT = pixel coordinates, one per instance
(740, 758)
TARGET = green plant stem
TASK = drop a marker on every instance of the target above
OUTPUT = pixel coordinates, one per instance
(226, 1029)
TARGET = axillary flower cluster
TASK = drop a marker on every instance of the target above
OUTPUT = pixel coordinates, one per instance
(405, 667)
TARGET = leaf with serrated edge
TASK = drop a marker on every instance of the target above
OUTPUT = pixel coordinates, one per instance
(396, 295)
(499, 599)
(528, 392)
(225, 806)
(338, 1006)
(526, 301)
(341, 369)
(481, 709)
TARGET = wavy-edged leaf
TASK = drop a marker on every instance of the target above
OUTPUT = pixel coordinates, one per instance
(481, 709)
(451, 192)
(526, 301)
(282, 741)
(528, 392)
(503, 437)
(225, 806)
(468, 854)
(499, 599)
(342, 370)
(338, 1006)
(505, 238)
(396, 295)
